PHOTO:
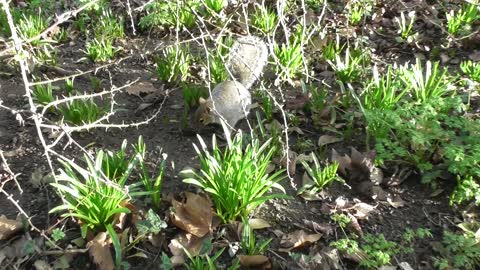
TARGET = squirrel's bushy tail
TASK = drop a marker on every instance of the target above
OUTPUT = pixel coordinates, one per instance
(248, 56)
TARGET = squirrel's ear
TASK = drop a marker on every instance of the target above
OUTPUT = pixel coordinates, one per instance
(208, 109)
(201, 101)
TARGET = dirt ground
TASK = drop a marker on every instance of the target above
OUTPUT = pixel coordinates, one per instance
(25, 156)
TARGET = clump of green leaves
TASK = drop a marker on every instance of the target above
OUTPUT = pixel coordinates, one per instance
(32, 25)
(153, 185)
(382, 92)
(471, 69)
(332, 49)
(265, 19)
(459, 251)
(321, 176)
(215, 5)
(356, 11)
(89, 195)
(460, 22)
(290, 56)
(116, 164)
(100, 50)
(170, 14)
(236, 177)
(108, 27)
(218, 72)
(92, 198)
(43, 94)
(267, 105)
(174, 64)
(426, 83)
(348, 68)
(249, 243)
(81, 111)
(405, 26)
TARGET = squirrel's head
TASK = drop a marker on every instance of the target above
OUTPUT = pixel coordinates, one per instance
(203, 115)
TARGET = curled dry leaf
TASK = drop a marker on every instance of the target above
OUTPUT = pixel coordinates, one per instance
(292, 164)
(306, 192)
(297, 239)
(343, 162)
(327, 139)
(99, 250)
(139, 88)
(361, 210)
(194, 216)
(324, 228)
(258, 223)
(298, 102)
(395, 201)
(358, 166)
(354, 226)
(260, 262)
(188, 241)
(41, 265)
(304, 157)
(8, 227)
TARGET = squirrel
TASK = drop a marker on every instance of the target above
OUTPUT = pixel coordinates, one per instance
(231, 100)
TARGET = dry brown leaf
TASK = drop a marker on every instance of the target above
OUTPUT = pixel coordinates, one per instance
(361, 210)
(258, 223)
(387, 267)
(188, 241)
(304, 157)
(63, 262)
(327, 139)
(295, 129)
(139, 88)
(323, 228)
(99, 250)
(298, 102)
(297, 239)
(354, 225)
(143, 106)
(193, 216)
(260, 262)
(8, 227)
(41, 265)
(405, 266)
(395, 201)
(358, 166)
(306, 192)
(343, 162)
(379, 194)
(292, 164)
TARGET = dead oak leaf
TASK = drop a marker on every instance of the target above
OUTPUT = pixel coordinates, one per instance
(328, 139)
(260, 262)
(258, 223)
(186, 241)
(395, 201)
(361, 210)
(344, 162)
(297, 239)
(354, 226)
(323, 228)
(141, 88)
(99, 250)
(8, 227)
(194, 216)
(358, 166)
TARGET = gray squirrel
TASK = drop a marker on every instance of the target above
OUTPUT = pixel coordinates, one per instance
(231, 100)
